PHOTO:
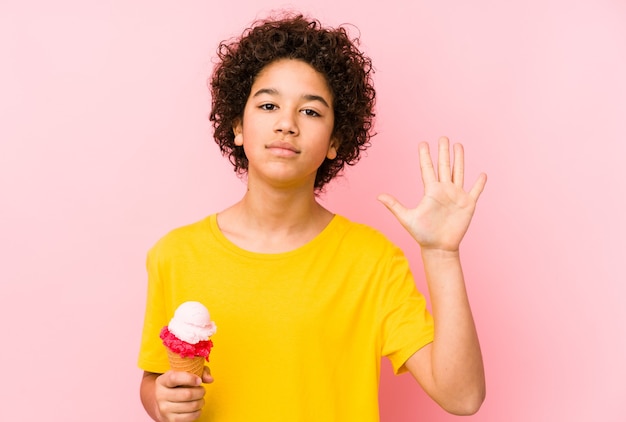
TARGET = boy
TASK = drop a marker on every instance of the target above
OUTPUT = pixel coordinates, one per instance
(308, 302)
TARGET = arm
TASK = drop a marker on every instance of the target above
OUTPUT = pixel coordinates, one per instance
(450, 369)
(173, 396)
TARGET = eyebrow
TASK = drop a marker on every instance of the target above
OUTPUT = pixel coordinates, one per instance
(308, 97)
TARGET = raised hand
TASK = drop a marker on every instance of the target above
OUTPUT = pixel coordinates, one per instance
(443, 216)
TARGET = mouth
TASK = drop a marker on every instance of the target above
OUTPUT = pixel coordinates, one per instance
(283, 146)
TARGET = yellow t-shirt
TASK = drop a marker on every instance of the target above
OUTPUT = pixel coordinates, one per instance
(300, 334)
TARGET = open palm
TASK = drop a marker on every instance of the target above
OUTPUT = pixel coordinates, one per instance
(443, 216)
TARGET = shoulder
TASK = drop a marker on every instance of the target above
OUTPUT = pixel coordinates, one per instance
(363, 235)
(181, 237)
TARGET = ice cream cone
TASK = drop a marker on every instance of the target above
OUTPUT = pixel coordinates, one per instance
(187, 337)
(195, 365)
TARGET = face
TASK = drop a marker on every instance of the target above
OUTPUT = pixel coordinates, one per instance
(287, 125)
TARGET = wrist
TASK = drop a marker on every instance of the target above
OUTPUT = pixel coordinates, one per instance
(440, 254)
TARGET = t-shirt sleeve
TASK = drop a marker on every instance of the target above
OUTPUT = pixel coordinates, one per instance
(152, 353)
(406, 324)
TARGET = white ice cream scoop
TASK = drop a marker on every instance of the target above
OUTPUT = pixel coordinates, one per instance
(192, 323)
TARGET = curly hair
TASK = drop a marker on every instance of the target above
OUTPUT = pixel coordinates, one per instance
(330, 51)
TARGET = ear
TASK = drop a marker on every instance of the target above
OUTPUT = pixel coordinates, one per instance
(238, 131)
(332, 149)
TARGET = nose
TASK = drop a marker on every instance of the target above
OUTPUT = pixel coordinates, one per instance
(286, 123)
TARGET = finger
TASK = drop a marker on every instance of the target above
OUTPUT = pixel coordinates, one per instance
(458, 170)
(186, 417)
(189, 399)
(443, 166)
(182, 410)
(426, 164)
(478, 187)
(207, 378)
(392, 204)
(172, 379)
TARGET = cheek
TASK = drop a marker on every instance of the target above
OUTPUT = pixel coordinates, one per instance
(254, 125)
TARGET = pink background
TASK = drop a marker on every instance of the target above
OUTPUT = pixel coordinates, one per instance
(105, 145)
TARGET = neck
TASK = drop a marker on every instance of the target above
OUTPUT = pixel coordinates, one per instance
(273, 220)
(279, 209)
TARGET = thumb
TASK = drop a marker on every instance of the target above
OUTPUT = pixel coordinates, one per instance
(392, 204)
(206, 375)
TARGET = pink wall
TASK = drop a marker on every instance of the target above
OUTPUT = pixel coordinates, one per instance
(105, 145)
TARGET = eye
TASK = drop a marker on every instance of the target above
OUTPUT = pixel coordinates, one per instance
(267, 107)
(311, 113)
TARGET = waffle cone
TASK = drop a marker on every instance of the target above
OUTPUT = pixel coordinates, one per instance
(195, 365)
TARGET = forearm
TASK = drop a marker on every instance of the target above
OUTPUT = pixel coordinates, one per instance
(457, 366)
(148, 397)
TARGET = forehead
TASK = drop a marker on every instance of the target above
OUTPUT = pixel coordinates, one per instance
(292, 75)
